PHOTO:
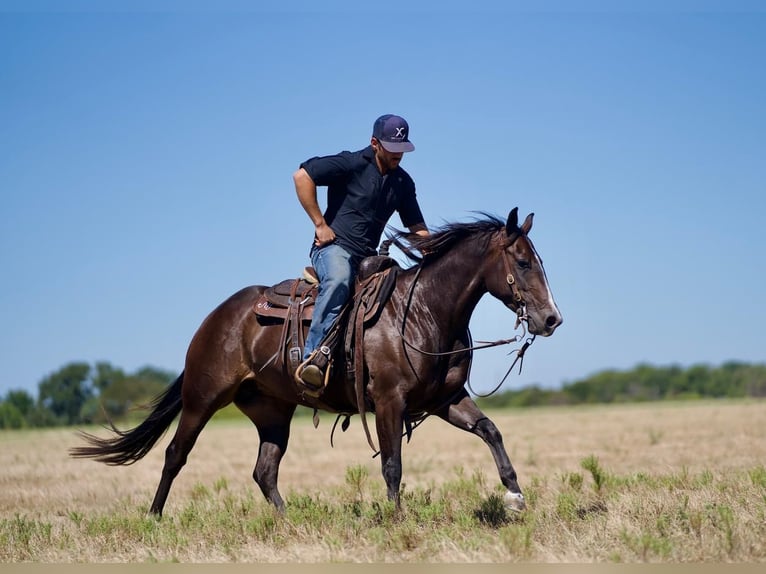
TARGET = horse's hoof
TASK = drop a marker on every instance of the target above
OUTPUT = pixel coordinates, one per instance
(514, 501)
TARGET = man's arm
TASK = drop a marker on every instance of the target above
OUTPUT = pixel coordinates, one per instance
(306, 190)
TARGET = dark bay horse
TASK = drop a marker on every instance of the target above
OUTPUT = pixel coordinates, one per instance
(416, 356)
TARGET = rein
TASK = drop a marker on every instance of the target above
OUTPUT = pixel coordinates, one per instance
(419, 419)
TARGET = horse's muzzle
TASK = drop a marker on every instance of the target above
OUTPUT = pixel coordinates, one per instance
(544, 324)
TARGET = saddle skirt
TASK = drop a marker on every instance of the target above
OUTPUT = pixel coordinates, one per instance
(290, 296)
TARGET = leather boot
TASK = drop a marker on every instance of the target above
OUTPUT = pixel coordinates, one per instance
(313, 373)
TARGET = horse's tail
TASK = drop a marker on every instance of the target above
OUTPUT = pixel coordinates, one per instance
(132, 445)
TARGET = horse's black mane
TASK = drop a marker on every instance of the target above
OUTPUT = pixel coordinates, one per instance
(443, 239)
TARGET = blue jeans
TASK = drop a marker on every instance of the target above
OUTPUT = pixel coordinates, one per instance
(336, 269)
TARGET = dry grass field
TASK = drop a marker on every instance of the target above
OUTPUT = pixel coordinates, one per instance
(656, 482)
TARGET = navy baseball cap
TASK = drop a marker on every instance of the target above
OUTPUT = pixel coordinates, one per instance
(393, 133)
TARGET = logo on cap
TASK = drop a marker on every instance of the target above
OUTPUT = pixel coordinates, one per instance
(393, 133)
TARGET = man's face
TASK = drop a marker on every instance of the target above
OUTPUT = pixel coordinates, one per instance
(386, 160)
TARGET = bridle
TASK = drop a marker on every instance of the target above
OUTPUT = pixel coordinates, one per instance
(521, 305)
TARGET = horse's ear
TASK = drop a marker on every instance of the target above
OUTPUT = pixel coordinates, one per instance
(513, 221)
(527, 225)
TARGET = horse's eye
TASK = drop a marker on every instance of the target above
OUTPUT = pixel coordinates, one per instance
(524, 264)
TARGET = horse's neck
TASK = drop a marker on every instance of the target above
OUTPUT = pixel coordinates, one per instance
(451, 287)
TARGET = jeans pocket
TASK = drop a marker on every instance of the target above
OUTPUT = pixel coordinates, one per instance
(322, 260)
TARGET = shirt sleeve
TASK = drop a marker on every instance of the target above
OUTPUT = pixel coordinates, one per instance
(409, 210)
(329, 169)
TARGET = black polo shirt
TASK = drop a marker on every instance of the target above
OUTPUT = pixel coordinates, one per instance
(360, 200)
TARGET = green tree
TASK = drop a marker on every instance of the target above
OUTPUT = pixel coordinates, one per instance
(40, 416)
(11, 417)
(124, 392)
(22, 400)
(105, 375)
(155, 375)
(15, 410)
(754, 381)
(65, 391)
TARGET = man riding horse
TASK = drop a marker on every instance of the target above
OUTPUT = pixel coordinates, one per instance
(412, 351)
(364, 188)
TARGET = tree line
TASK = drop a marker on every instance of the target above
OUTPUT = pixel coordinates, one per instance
(644, 382)
(79, 393)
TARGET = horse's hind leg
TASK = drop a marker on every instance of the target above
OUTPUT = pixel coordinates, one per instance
(202, 397)
(272, 419)
(189, 427)
(464, 414)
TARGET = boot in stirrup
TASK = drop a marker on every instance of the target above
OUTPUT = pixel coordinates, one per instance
(313, 373)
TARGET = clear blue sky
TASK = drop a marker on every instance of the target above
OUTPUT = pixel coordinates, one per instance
(146, 156)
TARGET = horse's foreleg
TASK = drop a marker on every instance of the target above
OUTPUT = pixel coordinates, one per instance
(272, 419)
(464, 414)
(389, 420)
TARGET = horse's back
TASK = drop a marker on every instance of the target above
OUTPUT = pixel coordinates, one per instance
(229, 318)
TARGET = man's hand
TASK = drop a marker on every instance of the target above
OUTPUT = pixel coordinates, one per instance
(307, 195)
(419, 229)
(324, 234)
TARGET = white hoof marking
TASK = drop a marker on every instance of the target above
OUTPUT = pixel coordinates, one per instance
(514, 501)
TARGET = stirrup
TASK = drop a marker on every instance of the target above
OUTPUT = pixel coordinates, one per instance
(308, 388)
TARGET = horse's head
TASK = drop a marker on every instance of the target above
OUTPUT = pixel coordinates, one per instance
(518, 279)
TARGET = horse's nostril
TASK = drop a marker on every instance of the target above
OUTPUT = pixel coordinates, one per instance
(551, 321)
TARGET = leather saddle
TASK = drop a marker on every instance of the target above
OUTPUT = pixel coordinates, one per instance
(291, 302)
(289, 297)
